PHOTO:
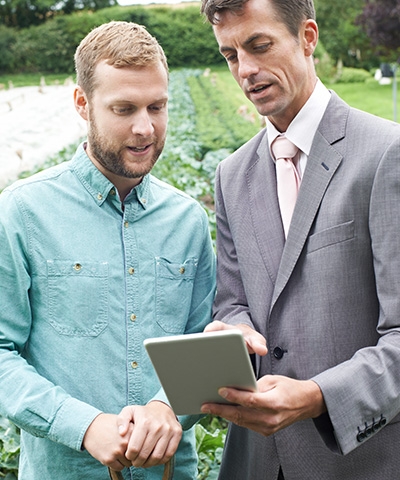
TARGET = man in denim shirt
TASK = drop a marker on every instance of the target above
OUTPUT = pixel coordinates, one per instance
(97, 255)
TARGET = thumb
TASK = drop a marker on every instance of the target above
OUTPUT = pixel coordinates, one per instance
(124, 418)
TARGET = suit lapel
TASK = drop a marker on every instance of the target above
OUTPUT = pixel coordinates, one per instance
(264, 209)
(322, 164)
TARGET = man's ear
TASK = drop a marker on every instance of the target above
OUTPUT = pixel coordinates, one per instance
(81, 103)
(310, 33)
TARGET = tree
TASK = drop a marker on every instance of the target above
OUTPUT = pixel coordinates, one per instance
(380, 20)
(342, 38)
(25, 13)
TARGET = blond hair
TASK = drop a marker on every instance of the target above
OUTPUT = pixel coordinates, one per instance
(120, 44)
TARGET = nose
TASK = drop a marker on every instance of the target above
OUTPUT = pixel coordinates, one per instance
(247, 65)
(143, 124)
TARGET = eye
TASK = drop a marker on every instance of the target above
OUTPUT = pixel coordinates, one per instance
(262, 47)
(158, 107)
(122, 109)
(231, 58)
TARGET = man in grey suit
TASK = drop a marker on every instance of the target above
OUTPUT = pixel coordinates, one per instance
(323, 296)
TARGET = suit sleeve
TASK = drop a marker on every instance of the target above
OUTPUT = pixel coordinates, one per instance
(362, 394)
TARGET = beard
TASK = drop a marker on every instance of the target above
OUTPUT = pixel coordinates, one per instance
(110, 156)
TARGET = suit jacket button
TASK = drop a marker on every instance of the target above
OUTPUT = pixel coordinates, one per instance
(278, 352)
(360, 436)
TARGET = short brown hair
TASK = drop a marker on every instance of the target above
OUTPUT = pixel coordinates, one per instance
(120, 44)
(290, 12)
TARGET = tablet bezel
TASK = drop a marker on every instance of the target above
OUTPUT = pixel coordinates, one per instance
(192, 367)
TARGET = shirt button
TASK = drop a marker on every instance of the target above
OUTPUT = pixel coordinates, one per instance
(99, 196)
(134, 365)
(133, 317)
(126, 224)
(131, 270)
(112, 191)
(144, 200)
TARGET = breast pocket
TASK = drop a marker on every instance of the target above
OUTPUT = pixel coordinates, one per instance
(77, 297)
(331, 236)
(174, 286)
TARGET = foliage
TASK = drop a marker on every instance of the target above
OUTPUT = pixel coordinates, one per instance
(180, 162)
(341, 36)
(353, 75)
(27, 52)
(25, 13)
(210, 439)
(196, 45)
(9, 449)
(323, 63)
(8, 37)
(380, 20)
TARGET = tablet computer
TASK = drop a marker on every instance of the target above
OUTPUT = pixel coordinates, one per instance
(192, 367)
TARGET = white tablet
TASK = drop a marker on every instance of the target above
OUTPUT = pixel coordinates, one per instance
(192, 367)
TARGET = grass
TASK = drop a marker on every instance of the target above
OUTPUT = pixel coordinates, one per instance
(369, 96)
(33, 79)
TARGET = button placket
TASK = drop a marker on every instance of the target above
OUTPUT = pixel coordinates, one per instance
(132, 308)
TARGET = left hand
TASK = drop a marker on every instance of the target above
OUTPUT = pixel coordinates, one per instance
(279, 402)
(155, 435)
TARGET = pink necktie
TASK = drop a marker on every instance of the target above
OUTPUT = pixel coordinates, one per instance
(287, 178)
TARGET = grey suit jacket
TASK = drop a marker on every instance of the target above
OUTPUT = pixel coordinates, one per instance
(327, 300)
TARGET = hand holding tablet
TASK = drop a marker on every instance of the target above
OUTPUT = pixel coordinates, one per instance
(191, 368)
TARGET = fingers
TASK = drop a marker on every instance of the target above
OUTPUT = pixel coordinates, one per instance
(279, 402)
(217, 325)
(104, 443)
(154, 449)
(124, 420)
(255, 342)
(155, 435)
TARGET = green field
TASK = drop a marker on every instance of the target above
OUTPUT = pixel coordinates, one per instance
(369, 96)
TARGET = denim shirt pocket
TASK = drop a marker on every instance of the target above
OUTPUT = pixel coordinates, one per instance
(77, 297)
(174, 286)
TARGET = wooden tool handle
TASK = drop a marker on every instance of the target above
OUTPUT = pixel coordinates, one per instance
(167, 475)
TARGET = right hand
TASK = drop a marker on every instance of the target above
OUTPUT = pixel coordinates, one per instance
(155, 433)
(105, 443)
(255, 342)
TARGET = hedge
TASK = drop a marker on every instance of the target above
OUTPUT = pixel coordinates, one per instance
(49, 48)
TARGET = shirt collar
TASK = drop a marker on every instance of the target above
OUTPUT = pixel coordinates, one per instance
(304, 126)
(99, 187)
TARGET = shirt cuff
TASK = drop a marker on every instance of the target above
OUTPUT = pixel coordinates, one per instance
(71, 422)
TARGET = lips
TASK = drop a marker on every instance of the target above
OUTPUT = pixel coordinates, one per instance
(258, 89)
(139, 149)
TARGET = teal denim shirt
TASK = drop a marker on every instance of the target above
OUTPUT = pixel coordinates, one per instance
(83, 281)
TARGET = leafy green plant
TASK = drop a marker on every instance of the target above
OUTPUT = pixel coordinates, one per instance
(210, 439)
(9, 449)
